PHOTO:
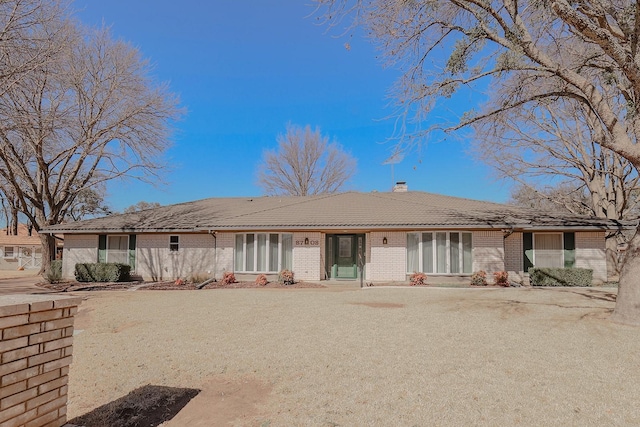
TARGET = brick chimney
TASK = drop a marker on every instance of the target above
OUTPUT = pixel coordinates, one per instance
(400, 187)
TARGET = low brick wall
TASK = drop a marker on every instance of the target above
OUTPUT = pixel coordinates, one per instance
(35, 353)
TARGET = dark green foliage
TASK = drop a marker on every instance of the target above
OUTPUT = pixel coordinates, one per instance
(54, 273)
(102, 272)
(560, 276)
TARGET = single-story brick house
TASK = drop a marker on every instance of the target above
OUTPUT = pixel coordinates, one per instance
(22, 251)
(377, 237)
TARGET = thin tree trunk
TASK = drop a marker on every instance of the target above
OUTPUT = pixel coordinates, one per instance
(627, 309)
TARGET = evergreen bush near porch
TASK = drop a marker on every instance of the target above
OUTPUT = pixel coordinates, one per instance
(102, 272)
(560, 276)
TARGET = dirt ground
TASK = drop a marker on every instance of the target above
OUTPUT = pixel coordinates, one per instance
(372, 356)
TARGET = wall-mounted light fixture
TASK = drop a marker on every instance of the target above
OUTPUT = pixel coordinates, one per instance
(306, 240)
(384, 241)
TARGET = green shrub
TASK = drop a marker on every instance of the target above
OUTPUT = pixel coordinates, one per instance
(54, 273)
(560, 276)
(102, 272)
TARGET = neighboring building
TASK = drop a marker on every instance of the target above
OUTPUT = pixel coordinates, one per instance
(20, 252)
(386, 236)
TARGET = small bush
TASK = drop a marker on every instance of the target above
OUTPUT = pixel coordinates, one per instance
(102, 272)
(560, 276)
(228, 278)
(479, 278)
(198, 278)
(286, 277)
(501, 278)
(261, 280)
(54, 273)
(418, 279)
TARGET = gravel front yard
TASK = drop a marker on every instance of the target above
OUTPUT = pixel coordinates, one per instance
(374, 356)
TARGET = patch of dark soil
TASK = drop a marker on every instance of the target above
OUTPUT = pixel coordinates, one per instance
(72, 286)
(147, 406)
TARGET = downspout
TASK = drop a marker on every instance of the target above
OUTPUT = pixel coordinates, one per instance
(213, 234)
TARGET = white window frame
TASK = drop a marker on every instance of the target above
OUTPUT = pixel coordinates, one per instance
(268, 252)
(561, 234)
(13, 252)
(447, 252)
(172, 244)
(107, 250)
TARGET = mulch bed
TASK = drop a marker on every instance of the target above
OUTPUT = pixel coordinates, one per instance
(73, 286)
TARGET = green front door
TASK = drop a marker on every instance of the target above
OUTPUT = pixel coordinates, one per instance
(346, 257)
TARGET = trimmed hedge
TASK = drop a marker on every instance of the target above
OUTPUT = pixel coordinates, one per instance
(102, 272)
(560, 276)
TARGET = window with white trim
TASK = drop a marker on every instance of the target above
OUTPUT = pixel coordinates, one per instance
(548, 250)
(8, 252)
(118, 249)
(263, 252)
(439, 252)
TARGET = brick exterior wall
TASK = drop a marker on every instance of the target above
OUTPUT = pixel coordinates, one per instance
(225, 248)
(36, 348)
(195, 256)
(307, 259)
(386, 262)
(81, 248)
(488, 251)
(591, 253)
(514, 256)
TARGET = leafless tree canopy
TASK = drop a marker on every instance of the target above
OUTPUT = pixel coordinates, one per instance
(304, 164)
(85, 113)
(528, 53)
(141, 205)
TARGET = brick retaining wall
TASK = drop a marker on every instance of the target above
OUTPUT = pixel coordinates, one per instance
(35, 353)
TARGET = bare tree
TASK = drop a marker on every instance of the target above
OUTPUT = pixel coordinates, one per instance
(89, 203)
(88, 115)
(305, 164)
(527, 52)
(31, 33)
(141, 206)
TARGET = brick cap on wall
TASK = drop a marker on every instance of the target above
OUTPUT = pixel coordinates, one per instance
(17, 304)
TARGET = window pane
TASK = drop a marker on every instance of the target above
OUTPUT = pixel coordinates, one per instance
(118, 249)
(412, 252)
(441, 252)
(262, 252)
(273, 252)
(467, 260)
(287, 251)
(454, 252)
(548, 250)
(250, 253)
(344, 247)
(239, 252)
(427, 252)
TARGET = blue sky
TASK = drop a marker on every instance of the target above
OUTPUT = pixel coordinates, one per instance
(243, 70)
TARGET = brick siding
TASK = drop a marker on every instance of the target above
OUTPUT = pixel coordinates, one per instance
(36, 348)
(488, 251)
(386, 262)
(590, 253)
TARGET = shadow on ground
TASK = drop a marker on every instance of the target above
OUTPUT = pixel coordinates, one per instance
(147, 406)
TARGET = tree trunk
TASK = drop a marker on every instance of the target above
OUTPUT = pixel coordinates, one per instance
(48, 251)
(627, 308)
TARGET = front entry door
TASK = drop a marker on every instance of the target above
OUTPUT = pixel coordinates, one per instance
(346, 257)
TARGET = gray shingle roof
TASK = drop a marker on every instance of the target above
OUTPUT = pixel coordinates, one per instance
(351, 210)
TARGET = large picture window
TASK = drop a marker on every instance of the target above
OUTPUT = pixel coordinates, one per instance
(441, 252)
(263, 252)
